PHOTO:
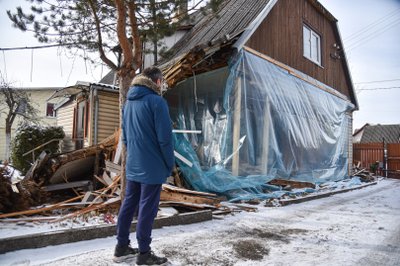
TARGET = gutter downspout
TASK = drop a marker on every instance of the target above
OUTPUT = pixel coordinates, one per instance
(96, 115)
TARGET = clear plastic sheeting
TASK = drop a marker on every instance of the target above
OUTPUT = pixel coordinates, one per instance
(259, 123)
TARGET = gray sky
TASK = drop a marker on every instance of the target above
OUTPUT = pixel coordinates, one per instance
(50, 67)
(370, 30)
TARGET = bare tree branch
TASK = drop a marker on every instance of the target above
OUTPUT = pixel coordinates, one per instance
(137, 46)
(121, 33)
(99, 38)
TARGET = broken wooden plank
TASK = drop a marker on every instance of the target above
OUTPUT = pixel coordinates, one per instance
(188, 191)
(178, 181)
(245, 207)
(83, 183)
(101, 180)
(88, 209)
(113, 167)
(107, 179)
(29, 219)
(192, 206)
(104, 190)
(86, 197)
(360, 171)
(291, 183)
(39, 210)
(43, 158)
(187, 198)
(14, 188)
(118, 151)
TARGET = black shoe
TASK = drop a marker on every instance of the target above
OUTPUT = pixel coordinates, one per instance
(150, 259)
(122, 253)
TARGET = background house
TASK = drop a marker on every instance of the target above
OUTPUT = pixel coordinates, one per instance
(46, 113)
(88, 112)
(377, 133)
(268, 84)
(377, 147)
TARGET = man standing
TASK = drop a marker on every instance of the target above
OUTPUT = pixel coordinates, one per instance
(147, 135)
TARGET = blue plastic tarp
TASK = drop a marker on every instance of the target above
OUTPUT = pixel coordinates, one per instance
(289, 128)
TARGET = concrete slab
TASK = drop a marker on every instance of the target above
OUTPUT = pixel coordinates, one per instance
(86, 233)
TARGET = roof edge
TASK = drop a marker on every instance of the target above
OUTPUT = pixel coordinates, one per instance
(345, 64)
(248, 32)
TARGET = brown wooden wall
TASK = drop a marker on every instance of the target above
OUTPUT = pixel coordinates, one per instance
(280, 36)
(394, 157)
(369, 153)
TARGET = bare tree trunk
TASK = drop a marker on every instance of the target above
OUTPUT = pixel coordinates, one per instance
(125, 81)
(8, 141)
(155, 47)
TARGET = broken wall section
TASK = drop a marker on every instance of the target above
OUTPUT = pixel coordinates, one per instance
(259, 123)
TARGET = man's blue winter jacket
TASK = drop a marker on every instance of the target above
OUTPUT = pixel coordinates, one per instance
(147, 134)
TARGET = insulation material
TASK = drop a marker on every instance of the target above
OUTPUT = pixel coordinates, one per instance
(258, 123)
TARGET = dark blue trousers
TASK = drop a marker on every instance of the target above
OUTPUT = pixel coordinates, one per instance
(145, 199)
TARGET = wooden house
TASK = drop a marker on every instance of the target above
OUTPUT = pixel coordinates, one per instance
(377, 134)
(378, 146)
(89, 113)
(268, 84)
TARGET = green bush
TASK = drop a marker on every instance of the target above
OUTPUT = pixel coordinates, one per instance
(27, 138)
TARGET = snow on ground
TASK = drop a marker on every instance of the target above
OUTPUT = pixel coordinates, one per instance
(12, 173)
(360, 227)
(9, 227)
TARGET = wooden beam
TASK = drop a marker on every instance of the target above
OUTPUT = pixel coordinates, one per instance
(113, 167)
(265, 143)
(36, 211)
(291, 183)
(189, 205)
(187, 198)
(236, 126)
(188, 191)
(84, 183)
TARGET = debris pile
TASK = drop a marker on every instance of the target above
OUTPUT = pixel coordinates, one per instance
(94, 177)
(364, 175)
(15, 196)
(88, 182)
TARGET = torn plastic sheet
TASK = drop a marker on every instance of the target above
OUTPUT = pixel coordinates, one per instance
(293, 130)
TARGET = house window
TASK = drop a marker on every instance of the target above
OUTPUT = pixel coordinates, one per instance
(50, 112)
(311, 45)
(22, 105)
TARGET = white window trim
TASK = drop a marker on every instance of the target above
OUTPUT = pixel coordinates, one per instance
(308, 54)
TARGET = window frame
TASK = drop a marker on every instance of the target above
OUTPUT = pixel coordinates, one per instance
(54, 111)
(309, 54)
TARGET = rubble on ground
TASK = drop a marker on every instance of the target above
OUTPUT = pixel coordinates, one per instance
(93, 174)
(98, 192)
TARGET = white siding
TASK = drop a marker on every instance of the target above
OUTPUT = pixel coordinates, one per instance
(108, 116)
(65, 119)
